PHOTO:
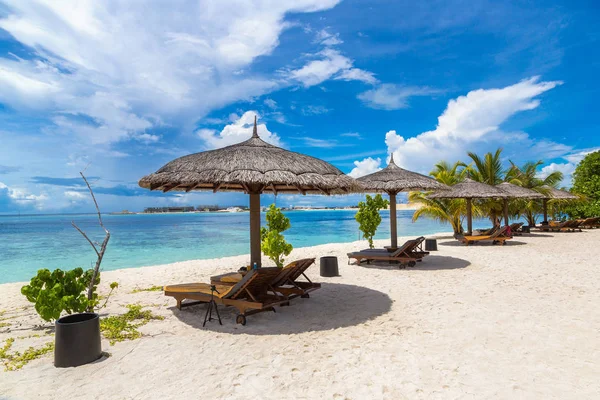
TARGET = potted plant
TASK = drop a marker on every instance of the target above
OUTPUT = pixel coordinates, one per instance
(77, 336)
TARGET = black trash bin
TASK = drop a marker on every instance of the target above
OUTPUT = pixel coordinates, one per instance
(430, 244)
(77, 340)
(329, 266)
(526, 229)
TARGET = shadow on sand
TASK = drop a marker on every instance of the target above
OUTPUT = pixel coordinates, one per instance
(508, 243)
(334, 306)
(429, 263)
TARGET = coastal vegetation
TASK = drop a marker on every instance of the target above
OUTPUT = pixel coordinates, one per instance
(273, 243)
(368, 216)
(118, 328)
(586, 183)
(154, 288)
(486, 169)
(53, 293)
(16, 360)
(451, 211)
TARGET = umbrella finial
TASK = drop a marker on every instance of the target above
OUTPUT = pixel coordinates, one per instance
(255, 131)
(392, 159)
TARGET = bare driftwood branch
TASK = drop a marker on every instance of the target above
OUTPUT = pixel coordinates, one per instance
(99, 253)
(86, 237)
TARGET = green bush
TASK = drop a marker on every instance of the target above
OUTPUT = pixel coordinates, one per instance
(273, 242)
(368, 216)
(586, 182)
(58, 291)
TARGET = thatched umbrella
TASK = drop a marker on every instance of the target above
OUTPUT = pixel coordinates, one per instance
(252, 167)
(516, 192)
(551, 193)
(392, 180)
(469, 190)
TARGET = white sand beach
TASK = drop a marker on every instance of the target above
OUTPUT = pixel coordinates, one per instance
(518, 321)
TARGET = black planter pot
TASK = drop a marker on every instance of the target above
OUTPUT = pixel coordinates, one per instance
(77, 340)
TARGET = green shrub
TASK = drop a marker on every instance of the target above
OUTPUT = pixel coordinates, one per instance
(273, 242)
(368, 216)
(118, 328)
(60, 291)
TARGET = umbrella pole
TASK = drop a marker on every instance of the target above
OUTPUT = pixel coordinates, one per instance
(255, 253)
(393, 221)
(545, 203)
(469, 217)
(506, 212)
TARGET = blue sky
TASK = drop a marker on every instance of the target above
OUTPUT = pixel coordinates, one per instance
(124, 87)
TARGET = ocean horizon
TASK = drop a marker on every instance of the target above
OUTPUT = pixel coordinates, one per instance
(33, 242)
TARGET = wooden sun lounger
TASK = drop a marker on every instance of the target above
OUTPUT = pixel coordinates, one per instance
(250, 295)
(286, 283)
(417, 250)
(565, 226)
(515, 228)
(590, 223)
(497, 237)
(403, 255)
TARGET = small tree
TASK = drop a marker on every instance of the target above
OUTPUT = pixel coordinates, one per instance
(273, 242)
(58, 291)
(586, 182)
(368, 216)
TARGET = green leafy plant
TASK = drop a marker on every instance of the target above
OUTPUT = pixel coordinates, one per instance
(368, 216)
(273, 242)
(53, 293)
(451, 211)
(58, 291)
(118, 328)
(16, 360)
(586, 183)
(149, 289)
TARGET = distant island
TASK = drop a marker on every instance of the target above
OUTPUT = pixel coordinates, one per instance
(242, 208)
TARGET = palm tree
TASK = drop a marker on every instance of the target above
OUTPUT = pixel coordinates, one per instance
(488, 170)
(443, 210)
(527, 176)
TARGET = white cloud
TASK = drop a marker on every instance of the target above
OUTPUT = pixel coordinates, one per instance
(236, 132)
(131, 66)
(13, 198)
(365, 167)
(75, 196)
(314, 110)
(351, 134)
(469, 121)
(392, 97)
(328, 39)
(331, 64)
(567, 168)
(272, 104)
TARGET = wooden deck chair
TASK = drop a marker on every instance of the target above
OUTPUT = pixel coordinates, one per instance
(250, 295)
(572, 226)
(291, 287)
(286, 283)
(403, 255)
(497, 237)
(590, 223)
(515, 228)
(552, 226)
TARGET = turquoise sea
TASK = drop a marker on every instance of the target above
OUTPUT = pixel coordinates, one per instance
(28, 243)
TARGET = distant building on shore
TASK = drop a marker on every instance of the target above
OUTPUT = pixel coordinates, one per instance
(155, 210)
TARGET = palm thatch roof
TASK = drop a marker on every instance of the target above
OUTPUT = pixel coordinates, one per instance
(470, 189)
(250, 166)
(393, 179)
(557, 194)
(518, 192)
